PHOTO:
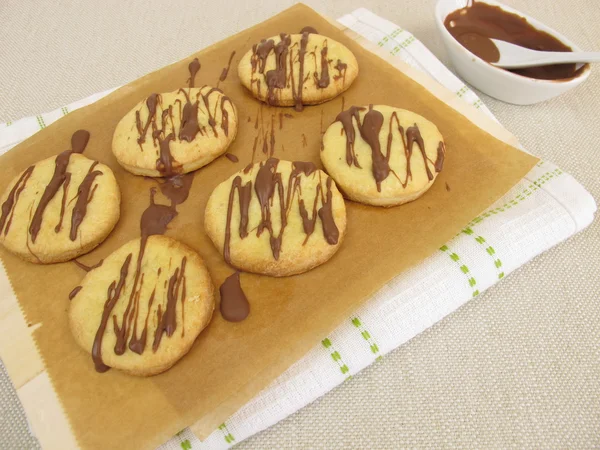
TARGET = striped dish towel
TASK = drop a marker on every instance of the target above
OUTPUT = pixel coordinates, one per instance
(545, 208)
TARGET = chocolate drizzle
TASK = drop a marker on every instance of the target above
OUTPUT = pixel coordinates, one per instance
(341, 69)
(60, 178)
(370, 130)
(345, 117)
(234, 304)
(154, 220)
(8, 207)
(267, 185)
(231, 157)
(282, 76)
(165, 132)
(84, 197)
(323, 81)
(74, 292)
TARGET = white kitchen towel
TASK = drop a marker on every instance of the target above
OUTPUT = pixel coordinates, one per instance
(545, 208)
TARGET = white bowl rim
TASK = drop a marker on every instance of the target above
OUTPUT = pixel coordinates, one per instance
(441, 17)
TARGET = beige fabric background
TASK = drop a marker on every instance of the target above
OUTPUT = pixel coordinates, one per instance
(518, 367)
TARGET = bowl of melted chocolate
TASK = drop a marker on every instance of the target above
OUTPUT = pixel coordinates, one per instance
(467, 26)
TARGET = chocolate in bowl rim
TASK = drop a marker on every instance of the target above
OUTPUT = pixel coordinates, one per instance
(581, 73)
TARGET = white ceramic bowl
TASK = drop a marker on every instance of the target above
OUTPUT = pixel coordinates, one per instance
(498, 83)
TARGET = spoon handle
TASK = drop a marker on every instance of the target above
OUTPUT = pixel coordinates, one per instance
(548, 58)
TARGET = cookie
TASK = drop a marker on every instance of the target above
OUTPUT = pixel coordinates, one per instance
(381, 155)
(297, 69)
(175, 132)
(59, 208)
(276, 218)
(143, 308)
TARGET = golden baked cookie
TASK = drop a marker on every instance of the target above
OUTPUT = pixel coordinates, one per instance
(276, 217)
(141, 311)
(175, 132)
(297, 69)
(381, 155)
(59, 208)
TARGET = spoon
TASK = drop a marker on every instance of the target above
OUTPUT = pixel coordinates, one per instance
(516, 57)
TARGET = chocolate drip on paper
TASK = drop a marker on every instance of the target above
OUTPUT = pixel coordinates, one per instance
(154, 221)
(193, 67)
(234, 303)
(60, 176)
(8, 207)
(439, 162)
(267, 184)
(226, 69)
(370, 130)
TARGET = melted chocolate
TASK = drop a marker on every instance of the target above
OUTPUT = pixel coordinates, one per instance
(308, 30)
(231, 157)
(345, 117)
(280, 77)
(194, 67)
(151, 103)
(341, 69)
(269, 182)
(177, 188)
(226, 69)
(370, 130)
(84, 196)
(323, 80)
(189, 127)
(74, 292)
(9, 204)
(113, 295)
(60, 177)
(154, 220)
(439, 161)
(87, 268)
(234, 304)
(474, 25)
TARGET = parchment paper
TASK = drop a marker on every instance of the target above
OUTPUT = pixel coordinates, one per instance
(231, 362)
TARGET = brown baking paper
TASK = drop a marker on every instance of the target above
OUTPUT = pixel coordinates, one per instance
(231, 362)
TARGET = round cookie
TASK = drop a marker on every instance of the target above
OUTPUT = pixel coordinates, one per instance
(322, 69)
(277, 218)
(175, 132)
(59, 208)
(381, 155)
(141, 315)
